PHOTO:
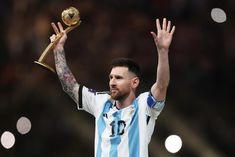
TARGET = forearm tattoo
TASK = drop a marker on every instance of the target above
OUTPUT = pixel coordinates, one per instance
(67, 79)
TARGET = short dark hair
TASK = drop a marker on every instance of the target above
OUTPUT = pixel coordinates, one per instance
(126, 62)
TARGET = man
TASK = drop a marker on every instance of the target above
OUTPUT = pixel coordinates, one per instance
(124, 122)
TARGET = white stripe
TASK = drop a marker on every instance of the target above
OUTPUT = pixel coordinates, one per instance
(96, 138)
(123, 148)
(143, 132)
(106, 145)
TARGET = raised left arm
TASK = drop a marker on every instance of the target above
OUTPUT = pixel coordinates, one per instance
(162, 40)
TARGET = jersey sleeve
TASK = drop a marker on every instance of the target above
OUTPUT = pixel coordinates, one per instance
(90, 100)
(152, 106)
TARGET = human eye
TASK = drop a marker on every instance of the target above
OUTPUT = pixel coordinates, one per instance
(119, 77)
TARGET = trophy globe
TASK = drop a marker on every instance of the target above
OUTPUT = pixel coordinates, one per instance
(70, 16)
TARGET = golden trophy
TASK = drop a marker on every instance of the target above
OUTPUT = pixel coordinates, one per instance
(71, 18)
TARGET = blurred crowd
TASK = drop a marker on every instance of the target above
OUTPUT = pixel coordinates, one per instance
(202, 60)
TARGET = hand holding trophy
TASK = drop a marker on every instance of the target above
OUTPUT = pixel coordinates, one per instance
(71, 18)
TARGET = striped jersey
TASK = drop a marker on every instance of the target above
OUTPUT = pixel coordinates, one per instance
(121, 132)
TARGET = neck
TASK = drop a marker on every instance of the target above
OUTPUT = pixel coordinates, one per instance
(126, 101)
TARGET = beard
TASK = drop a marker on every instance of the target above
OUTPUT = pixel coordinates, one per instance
(117, 95)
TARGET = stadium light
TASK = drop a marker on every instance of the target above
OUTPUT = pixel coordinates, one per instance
(218, 15)
(23, 125)
(7, 140)
(173, 143)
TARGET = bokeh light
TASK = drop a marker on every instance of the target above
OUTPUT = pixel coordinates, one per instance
(23, 125)
(7, 140)
(218, 15)
(173, 143)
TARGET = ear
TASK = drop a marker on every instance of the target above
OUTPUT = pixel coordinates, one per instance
(135, 82)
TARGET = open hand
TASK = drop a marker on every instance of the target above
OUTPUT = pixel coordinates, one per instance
(164, 34)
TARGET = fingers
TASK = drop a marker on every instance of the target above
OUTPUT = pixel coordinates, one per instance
(158, 25)
(60, 34)
(55, 28)
(60, 27)
(172, 30)
(166, 26)
(154, 35)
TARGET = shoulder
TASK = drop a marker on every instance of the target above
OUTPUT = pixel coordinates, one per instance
(143, 96)
(93, 92)
(92, 96)
(92, 101)
(147, 98)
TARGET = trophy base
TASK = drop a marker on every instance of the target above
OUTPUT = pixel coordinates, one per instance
(45, 66)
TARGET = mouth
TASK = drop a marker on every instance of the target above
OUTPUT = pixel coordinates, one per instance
(113, 90)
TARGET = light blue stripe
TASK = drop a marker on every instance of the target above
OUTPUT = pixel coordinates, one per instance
(116, 139)
(101, 127)
(133, 134)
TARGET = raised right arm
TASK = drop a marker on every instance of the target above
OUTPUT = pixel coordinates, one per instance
(67, 79)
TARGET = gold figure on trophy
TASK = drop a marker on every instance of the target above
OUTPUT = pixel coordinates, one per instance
(71, 18)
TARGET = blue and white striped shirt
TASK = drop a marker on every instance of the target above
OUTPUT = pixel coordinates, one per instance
(121, 132)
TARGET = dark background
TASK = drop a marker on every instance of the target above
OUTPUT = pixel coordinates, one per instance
(200, 100)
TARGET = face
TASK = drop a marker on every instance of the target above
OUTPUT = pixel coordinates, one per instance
(121, 83)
